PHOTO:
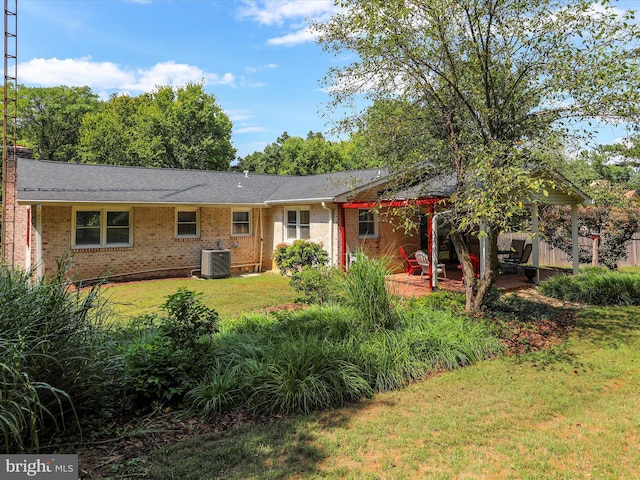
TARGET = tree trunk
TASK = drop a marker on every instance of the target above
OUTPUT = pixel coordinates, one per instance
(477, 290)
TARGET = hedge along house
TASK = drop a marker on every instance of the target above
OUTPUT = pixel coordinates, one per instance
(134, 223)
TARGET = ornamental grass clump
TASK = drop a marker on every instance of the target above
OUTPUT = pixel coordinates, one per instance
(55, 357)
(595, 287)
(366, 291)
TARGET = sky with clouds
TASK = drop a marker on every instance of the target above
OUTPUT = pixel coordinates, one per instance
(256, 56)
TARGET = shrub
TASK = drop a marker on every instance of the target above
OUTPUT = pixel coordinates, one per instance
(596, 287)
(317, 284)
(303, 375)
(164, 356)
(365, 290)
(292, 258)
(54, 356)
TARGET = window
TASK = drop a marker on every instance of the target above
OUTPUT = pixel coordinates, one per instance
(241, 223)
(367, 224)
(187, 223)
(298, 225)
(101, 228)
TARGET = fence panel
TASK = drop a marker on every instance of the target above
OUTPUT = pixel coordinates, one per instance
(554, 256)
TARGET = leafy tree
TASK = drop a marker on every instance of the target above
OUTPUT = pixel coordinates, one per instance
(181, 128)
(480, 90)
(312, 155)
(615, 226)
(49, 119)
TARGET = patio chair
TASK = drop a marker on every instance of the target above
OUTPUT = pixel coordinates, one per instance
(425, 265)
(411, 264)
(475, 261)
(515, 251)
(512, 263)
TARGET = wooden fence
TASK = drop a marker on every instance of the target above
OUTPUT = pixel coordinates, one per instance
(553, 256)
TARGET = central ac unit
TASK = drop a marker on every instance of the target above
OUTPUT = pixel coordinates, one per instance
(215, 264)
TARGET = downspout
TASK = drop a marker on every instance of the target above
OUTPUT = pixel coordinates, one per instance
(330, 210)
(434, 250)
(38, 241)
(260, 212)
(343, 239)
(575, 249)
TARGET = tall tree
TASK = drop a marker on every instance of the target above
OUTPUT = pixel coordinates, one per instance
(172, 128)
(50, 119)
(476, 89)
(307, 156)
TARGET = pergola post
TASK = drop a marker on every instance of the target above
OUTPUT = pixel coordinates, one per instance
(575, 250)
(535, 250)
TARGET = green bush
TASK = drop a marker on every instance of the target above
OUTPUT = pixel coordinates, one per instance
(164, 356)
(596, 287)
(326, 356)
(301, 253)
(365, 290)
(317, 284)
(55, 357)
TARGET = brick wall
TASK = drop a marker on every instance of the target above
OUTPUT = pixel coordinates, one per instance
(156, 252)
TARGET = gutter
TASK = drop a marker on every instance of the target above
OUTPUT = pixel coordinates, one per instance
(330, 210)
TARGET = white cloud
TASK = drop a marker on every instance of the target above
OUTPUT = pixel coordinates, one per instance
(249, 129)
(301, 36)
(277, 12)
(73, 72)
(108, 76)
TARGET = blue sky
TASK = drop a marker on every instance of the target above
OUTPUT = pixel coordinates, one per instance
(256, 57)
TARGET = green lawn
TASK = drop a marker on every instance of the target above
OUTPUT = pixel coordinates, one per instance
(565, 413)
(230, 297)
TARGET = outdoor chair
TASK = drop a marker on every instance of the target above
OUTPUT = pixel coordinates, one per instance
(512, 263)
(475, 261)
(425, 265)
(411, 264)
(514, 252)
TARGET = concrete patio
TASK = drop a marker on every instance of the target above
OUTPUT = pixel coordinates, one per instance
(414, 286)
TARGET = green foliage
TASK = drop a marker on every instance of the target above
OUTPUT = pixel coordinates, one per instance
(50, 120)
(164, 356)
(317, 284)
(470, 92)
(173, 128)
(365, 290)
(187, 318)
(54, 357)
(305, 374)
(301, 253)
(313, 155)
(595, 287)
(326, 356)
(615, 225)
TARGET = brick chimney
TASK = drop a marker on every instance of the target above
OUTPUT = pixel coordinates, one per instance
(12, 216)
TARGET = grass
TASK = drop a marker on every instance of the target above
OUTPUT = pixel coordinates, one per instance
(569, 412)
(230, 297)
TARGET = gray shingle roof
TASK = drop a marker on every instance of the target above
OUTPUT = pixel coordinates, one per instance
(44, 181)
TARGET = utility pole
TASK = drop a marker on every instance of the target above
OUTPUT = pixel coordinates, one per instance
(10, 131)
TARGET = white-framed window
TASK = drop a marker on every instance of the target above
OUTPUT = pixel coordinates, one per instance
(241, 223)
(188, 223)
(102, 227)
(298, 224)
(367, 224)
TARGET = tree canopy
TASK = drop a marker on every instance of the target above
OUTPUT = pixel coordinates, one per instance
(306, 156)
(173, 128)
(481, 90)
(50, 120)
